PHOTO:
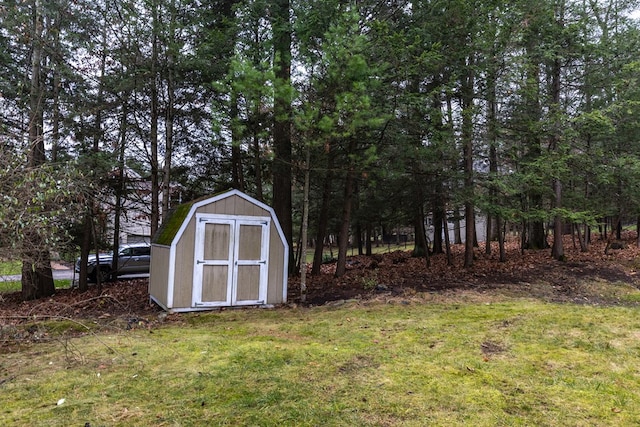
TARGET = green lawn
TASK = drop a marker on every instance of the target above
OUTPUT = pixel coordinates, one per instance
(13, 286)
(439, 362)
(9, 268)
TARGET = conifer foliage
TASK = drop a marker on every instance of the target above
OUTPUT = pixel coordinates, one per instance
(403, 117)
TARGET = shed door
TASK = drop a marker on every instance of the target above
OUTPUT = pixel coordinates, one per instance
(230, 261)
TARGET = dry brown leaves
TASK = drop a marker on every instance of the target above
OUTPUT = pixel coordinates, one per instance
(398, 274)
(123, 298)
(391, 275)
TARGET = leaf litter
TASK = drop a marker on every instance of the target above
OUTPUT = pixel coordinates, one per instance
(394, 277)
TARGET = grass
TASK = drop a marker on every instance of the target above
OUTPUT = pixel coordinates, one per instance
(15, 286)
(431, 362)
(9, 268)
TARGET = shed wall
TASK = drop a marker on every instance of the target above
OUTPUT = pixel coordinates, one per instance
(159, 273)
(183, 279)
(233, 205)
(276, 272)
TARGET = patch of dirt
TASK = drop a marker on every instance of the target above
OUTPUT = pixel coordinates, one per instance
(394, 276)
(489, 348)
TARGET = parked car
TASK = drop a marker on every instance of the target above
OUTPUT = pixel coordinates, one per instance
(133, 258)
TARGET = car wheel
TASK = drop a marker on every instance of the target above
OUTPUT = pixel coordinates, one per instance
(105, 274)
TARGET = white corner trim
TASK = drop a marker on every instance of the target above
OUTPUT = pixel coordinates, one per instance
(154, 299)
(171, 275)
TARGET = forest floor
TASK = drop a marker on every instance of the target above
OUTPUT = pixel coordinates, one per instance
(584, 278)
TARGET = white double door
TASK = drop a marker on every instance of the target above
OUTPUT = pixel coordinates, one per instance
(231, 259)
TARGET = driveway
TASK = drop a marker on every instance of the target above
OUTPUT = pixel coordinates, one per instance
(58, 274)
(65, 272)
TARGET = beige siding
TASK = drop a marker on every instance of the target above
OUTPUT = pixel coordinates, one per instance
(159, 273)
(276, 268)
(214, 283)
(233, 205)
(248, 281)
(244, 207)
(183, 284)
(224, 206)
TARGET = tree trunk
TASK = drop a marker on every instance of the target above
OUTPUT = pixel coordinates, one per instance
(500, 225)
(168, 127)
(237, 172)
(85, 248)
(488, 234)
(153, 132)
(323, 219)
(166, 175)
(358, 225)
(467, 143)
(89, 235)
(612, 235)
(119, 185)
(535, 236)
(469, 234)
(257, 165)
(557, 251)
(421, 246)
(582, 238)
(447, 242)
(368, 233)
(282, 176)
(305, 226)
(343, 236)
(56, 115)
(438, 215)
(37, 278)
(493, 154)
(457, 235)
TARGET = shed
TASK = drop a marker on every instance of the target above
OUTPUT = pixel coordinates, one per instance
(220, 251)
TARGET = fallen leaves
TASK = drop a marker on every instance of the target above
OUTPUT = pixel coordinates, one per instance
(123, 296)
(397, 274)
(394, 277)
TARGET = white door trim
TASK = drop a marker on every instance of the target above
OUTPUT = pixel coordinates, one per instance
(233, 262)
(263, 262)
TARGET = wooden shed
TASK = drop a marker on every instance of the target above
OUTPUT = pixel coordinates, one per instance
(221, 251)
